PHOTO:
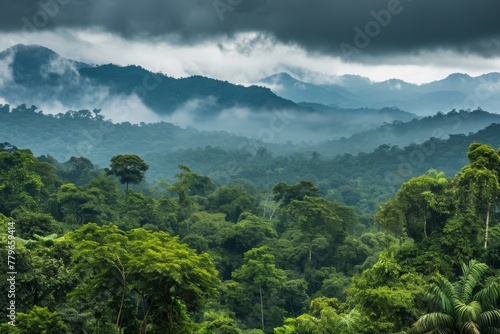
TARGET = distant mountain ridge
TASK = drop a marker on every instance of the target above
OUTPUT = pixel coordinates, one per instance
(45, 71)
(402, 134)
(457, 91)
(39, 76)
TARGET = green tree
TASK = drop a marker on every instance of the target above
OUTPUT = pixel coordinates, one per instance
(101, 250)
(387, 295)
(170, 278)
(250, 232)
(147, 275)
(416, 198)
(477, 189)
(467, 306)
(78, 206)
(129, 168)
(232, 201)
(191, 184)
(31, 223)
(285, 193)
(20, 185)
(77, 170)
(324, 317)
(218, 323)
(260, 274)
(38, 320)
(391, 217)
(316, 219)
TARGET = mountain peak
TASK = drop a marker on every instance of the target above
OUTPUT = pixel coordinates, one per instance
(281, 77)
(38, 50)
(458, 76)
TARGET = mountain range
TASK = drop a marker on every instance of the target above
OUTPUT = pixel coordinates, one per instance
(457, 91)
(276, 109)
(131, 93)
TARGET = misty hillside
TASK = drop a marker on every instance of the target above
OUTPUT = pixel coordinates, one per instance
(457, 91)
(45, 72)
(363, 180)
(56, 84)
(416, 131)
(86, 133)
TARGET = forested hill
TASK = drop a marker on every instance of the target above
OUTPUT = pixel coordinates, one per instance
(87, 133)
(42, 73)
(415, 131)
(91, 258)
(364, 179)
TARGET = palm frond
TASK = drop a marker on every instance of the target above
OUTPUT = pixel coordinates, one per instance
(468, 327)
(442, 295)
(466, 312)
(489, 319)
(349, 320)
(433, 322)
(489, 297)
(473, 272)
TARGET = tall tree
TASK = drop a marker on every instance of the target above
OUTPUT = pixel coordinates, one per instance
(129, 168)
(20, 185)
(170, 278)
(285, 193)
(260, 274)
(477, 185)
(316, 218)
(162, 277)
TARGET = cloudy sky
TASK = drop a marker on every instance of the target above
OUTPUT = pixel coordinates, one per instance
(243, 40)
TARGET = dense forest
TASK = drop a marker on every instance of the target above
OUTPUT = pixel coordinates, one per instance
(367, 175)
(99, 250)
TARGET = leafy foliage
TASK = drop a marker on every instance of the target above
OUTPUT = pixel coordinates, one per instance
(194, 257)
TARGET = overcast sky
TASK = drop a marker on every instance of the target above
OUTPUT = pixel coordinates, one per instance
(243, 40)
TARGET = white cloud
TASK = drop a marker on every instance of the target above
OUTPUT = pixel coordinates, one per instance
(128, 109)
(247, 58)
(6, 75)
(60, 66)
(3, 101)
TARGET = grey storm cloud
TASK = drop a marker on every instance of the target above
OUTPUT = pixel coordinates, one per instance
(347, 28)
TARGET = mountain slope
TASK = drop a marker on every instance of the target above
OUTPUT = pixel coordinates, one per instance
(38, 70)
(416, 131)
(39, 76)
(457, 91)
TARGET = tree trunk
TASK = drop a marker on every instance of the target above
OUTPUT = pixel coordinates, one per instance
(310, 252)
(145, 320)
(425, 226)
(122, 302)
(118, 318)
(261, 308)
(487, 226)
(121, 270)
